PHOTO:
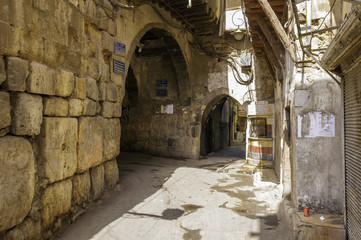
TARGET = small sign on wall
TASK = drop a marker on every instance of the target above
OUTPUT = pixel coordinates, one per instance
(119, 48)
(167, 109)
(118, 67)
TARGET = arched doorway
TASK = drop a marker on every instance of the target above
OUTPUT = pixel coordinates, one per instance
(157, 86)
(223, 124)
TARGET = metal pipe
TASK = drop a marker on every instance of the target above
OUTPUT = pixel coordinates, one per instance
(304, 50)
(189, 4)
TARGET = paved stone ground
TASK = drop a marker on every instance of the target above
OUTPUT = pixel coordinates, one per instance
(218, 197)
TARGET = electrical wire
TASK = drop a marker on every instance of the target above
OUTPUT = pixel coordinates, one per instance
(179, 14)
(230, 60)
(324, 18)
(304, 50)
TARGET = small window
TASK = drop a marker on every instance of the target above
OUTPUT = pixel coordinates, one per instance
(258, 127)
(161, 88)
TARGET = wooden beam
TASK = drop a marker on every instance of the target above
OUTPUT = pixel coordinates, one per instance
(271, 57)
(271, 39)
(259, 10)
(278, 28)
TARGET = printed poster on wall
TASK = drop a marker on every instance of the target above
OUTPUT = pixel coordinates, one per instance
(316, 124)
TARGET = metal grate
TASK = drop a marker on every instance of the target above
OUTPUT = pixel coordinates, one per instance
(352, 97)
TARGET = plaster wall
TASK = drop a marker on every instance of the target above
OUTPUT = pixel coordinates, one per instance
(318, 161)
(312, 163)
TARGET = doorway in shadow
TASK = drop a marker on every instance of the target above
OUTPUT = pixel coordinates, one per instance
(223, 125)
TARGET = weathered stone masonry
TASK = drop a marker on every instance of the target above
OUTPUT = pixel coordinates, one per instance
(59, 114)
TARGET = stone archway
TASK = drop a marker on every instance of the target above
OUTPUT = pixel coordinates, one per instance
(157, 86)
(218, 126)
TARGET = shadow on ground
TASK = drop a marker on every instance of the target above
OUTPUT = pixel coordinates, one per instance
(162, 198)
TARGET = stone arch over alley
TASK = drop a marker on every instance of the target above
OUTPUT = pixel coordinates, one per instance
(221, 124)
(156, 87)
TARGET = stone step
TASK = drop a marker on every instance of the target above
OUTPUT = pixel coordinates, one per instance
(260, 163)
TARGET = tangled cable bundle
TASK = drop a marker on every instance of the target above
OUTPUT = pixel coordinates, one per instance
(231, 61)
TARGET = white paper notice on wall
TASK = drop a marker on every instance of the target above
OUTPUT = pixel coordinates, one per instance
(170, 109)
(167, 109)
(316, 124)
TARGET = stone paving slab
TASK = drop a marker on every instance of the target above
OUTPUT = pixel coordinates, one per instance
(159, 198)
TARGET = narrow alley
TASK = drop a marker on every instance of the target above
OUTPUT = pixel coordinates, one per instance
(180, 119)
(218, 197)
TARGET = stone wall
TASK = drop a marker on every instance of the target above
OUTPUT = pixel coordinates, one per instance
(59, 113)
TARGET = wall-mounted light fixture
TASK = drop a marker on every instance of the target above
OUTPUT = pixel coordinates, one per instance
(238, 20)
(238, 34)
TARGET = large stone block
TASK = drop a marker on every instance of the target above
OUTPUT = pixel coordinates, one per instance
(2, 70)
(111, 138)
(64, 83)
(90, 143)
(81, 188)
(27, 230)
(117, 109)
(79, 88)
(106, 109)
(22, 15)
(111, 173)
(41, 79)
(17, 72)
(75, 107)
(55, 106)
(17, 180)
(56, 201)
(112, 29)
(92, 91)
(97, 181)
(116, 78)
(5, 109)
(58, 143)
(43, 5)
(111, 92)
(10, 41)
(102, 90)
(4, 11)
(107, 42)
(104, 71)
(89, 107)
(27, 114)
